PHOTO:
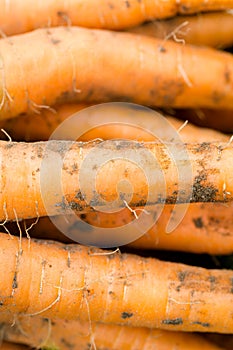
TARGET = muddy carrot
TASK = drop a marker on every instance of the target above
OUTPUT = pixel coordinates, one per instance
(17, 18)
(75, 282)
(84, 335)
(50, 172)
(158, 74)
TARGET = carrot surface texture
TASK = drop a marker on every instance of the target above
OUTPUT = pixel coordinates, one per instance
(205, 228)
(85, 335)
(158, 73)
(75, 282)
(50, 172)
(213, 29)
(17, 18)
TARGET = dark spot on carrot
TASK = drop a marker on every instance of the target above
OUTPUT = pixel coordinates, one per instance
(231, 280)
(50, 266)
(198, 222)
(203, 324)
(80, 196)
(202, 193)
(15, 283)
(111, 6)
(174, 321)
(125, 315)
(182, 275)
(127, 3)
(67, 344)
(9, 144)
(217, 97)
(55, 41)
(204, 146)
(162, 49)
(83, 216)
(1, 303)
(227, 76)
(184, 8)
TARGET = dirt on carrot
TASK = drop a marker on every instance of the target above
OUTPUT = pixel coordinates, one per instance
(160, 74)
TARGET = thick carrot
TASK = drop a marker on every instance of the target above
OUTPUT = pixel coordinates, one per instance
(83, 335)
(25, 128)
(158, 73)
(17, 18)
(210, 29)
(75, 282)
(21, 195)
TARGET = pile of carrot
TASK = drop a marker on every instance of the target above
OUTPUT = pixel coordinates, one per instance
(159, 74)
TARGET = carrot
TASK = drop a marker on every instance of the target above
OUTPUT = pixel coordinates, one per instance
(25, 127)
(54, 280)
(82, 335)
(116, 14)
(210, 29)
(159, 74)
(205, 228)
(22, 198)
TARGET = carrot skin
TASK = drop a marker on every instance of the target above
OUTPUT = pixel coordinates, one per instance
(64, 333)
(213, 29)
(118, 14)
(158, 74)
(211, 176)
(74, 282)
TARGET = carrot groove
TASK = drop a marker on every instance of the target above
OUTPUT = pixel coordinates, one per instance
(159, 74)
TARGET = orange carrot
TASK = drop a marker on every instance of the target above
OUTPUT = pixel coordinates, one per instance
(83, 335)
(158, 74)
(23, 197)
(210, 29)
(24, 128)
(75, 282)
(16, 18)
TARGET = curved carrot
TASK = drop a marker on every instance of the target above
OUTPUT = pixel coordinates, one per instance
(81, 335)
(17, 18)
(209, 29)
(75, 282)
(210, 178)
(24, 128)
(160, 74)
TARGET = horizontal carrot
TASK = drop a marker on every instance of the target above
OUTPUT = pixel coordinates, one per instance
(83, 335)
(207, 176)
(205, 228)
(158, 74)
(25, 128)
(54, 280)
(209, 29)
(17, 18)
